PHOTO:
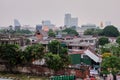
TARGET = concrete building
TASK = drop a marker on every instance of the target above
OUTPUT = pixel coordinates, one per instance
(17, 24)
(12, 39)
(70, 21)
(83, 50)
(85, 27)
(38, 27)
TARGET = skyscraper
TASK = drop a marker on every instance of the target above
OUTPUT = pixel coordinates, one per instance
(17, 25)
(46, 25)
(38, 27)
(70, 21)
(67, 20)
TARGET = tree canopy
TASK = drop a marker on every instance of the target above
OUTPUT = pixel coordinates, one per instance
(103, 40)
(56, 50)
(93, 32)
(111, 65)
(53, 61)
(118, 40)
(54, 47)
(70, 31)
(110, 31)
(51, 33)
(10, 53)
(33, 52)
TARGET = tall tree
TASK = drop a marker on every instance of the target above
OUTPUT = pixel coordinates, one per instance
(93, 32)
(33, 52)
(10, 53)
(70, 31)
(51, 33)
(118, 40)
(54, 47)
(111, 65)
(53, 61)
(103, 40)
(110, 31)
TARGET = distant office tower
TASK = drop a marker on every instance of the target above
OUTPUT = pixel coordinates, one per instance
(70, 21)
(46, 24)
(38, 27)
(17, 25)
(86, 26)
(74, 22)
(67, 20)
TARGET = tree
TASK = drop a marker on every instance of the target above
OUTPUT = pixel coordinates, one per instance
(110, 31)
(54, 47)
(88, 32)
(10, 53)
(93, 32)
(51, 33)
(111, 65)
(104, 55)
(118, 40)
(53, 61)
(70, 31)
(103, 40)
(33, 52)
(23, 31)
(114, 49)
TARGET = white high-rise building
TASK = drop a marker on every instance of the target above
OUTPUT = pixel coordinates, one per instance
(70, 21)
(17, 24)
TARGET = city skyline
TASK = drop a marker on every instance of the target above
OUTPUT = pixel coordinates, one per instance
(32, 12)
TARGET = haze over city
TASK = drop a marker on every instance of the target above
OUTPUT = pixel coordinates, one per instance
(32, 12)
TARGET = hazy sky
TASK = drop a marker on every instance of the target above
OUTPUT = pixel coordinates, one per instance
(32, 12)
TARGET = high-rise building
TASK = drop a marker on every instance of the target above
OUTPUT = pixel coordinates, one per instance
(74, 22)
(38, 27)
(67, 20)
(85, 27)
(17, 25)
(70, 21)
(46, 24)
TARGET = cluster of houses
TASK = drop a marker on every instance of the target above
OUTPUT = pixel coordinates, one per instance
(82, 49)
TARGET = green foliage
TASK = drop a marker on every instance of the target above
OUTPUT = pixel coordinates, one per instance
(20, 32)
(23, 31)
(110, 31)
(53, 61)
(70, 31)
(111, 64)
(51, 33)
(114, 49)
(103, 40)
(33, 52)
(118, 40)
(93, 32)
(104, 55)
(56, 50)
(10, 54)
(54, 47)
(65, 59)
